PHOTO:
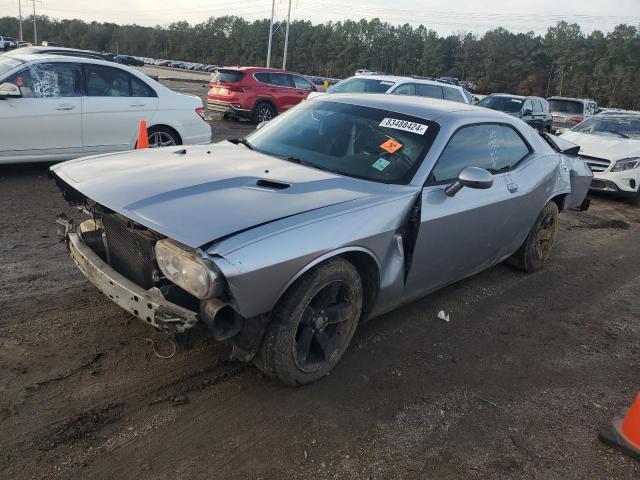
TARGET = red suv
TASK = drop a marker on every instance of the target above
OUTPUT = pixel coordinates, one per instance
(255, 93)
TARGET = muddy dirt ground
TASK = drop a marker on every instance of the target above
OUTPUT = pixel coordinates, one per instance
(516, 385)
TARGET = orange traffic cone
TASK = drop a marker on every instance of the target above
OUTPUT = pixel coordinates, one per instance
(623, 432)
(143, 137)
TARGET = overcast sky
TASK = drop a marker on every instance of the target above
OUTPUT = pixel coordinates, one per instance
(446, 17)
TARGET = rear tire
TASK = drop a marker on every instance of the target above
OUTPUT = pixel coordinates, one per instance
(312, 324)
(536, 249)
(264, 112)
(160, 136)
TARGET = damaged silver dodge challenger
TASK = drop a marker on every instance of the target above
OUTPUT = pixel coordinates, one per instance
(335, 212)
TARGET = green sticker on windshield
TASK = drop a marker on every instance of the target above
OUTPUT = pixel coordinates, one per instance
(380, 164)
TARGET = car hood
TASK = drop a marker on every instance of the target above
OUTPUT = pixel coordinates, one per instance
(199, 194)
(601, 146)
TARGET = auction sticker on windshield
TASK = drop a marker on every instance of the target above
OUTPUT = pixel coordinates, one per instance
(412, 127)
(391, 146)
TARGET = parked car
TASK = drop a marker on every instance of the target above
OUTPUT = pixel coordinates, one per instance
(449, 80)
(343, 208)
(73, 52)
(56, 108)
(7, 43)
(414, 86)
(532, 110)
(610, 143)
(568, 112)
(129, 60)
(363, 71)
(256, 93)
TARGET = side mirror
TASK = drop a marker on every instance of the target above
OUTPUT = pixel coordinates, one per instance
(9, 90)
(471, 177)
(260, 125)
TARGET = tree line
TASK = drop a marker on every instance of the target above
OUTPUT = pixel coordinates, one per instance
(565, 60)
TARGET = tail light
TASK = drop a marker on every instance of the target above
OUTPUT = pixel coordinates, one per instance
(577, 118)
(200, 112)
(235, 89)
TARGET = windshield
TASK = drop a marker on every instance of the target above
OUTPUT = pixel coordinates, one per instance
(351, 140)
(619, 126)
(8, 63)
(566, 106)
(361, 85)
(504, 104)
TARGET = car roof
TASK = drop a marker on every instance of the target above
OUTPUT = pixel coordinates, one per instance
(571, 98)
(424, 107)
(43, 57)
(260, 69)
(403, 78)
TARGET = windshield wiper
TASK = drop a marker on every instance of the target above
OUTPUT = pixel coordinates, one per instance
(243, 141)
(613, 131)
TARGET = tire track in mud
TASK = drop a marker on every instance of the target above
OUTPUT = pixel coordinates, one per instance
(86, 426)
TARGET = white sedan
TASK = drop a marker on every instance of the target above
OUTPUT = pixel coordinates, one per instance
(56, 107)
(610, 144)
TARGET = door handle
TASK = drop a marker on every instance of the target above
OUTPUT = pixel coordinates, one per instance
(512, 187)
(65, 107)
(137, 104)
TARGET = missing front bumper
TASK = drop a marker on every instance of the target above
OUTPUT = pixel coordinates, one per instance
(147, 305)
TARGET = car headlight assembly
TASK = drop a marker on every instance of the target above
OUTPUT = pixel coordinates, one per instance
(626, 164)
(187, 270)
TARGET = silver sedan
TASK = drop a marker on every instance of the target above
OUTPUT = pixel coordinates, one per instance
(335, 212)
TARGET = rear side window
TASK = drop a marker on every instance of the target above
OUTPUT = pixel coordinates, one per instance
(301, 83)
(431, 91)
(545, 106)
(405, 89)
(141, 89)
(280, 80)
(528, 105)
(228, 76)
(104, 81)
(48, 80)
(453, 94)
(496, 148)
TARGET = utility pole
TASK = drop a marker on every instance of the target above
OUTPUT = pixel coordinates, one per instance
(20, 16)
(561, 78)
(286, 39)
(273, 6)
(35, 30)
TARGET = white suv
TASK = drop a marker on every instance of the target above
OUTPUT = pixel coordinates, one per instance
(7, 42)
(421, 87)
(610, 144)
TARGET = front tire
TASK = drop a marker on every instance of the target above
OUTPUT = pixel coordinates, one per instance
(312, 324)
(536, 249)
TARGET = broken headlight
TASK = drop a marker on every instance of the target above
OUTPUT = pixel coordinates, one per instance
(186, 269)
(626, 164)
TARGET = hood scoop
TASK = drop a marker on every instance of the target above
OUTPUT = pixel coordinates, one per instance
(271, 184)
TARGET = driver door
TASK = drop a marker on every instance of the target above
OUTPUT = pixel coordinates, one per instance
(471, 231)
(45, 123)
